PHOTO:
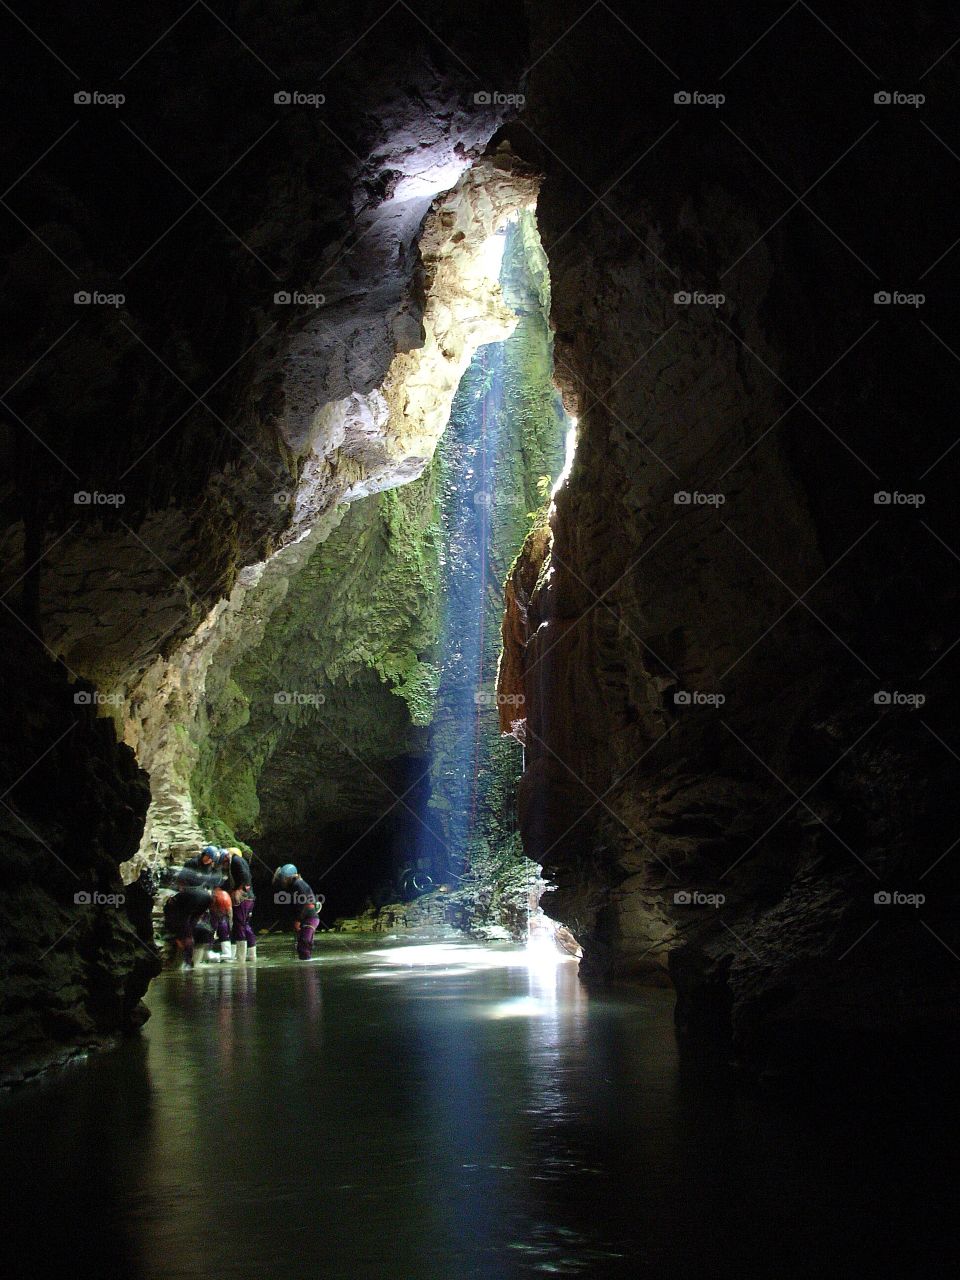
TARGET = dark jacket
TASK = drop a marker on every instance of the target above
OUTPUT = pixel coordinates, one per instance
(184, 910)
(240, 877)
(305, 902)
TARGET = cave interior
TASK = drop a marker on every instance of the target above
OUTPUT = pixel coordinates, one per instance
(481, 451)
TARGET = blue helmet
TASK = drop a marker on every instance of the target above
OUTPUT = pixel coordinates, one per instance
(209, 851)
(286, 872)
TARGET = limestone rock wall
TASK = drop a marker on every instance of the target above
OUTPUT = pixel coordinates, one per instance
(355, 446)
(795, 398)
(277, 343)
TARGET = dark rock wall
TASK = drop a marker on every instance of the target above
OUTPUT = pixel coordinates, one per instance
(799, 599)
(76, 948)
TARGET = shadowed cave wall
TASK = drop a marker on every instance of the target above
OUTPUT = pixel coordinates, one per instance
(802, 601)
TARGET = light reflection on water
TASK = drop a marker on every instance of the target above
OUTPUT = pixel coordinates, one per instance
(429, 1112)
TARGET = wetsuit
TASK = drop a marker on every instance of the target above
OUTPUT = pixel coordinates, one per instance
(240, 885)
(186, 915)
(306, 914)
(202, 874)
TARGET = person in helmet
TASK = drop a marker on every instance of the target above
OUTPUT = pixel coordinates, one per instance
(290, 887)
(221, 917)
(222, 920)
(201, 870)
(186, 915)
(240, 888)
(192, 916)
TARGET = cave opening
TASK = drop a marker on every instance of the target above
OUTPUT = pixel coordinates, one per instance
(415, 821)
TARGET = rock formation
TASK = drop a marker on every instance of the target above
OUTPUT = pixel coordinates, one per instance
(721, 638)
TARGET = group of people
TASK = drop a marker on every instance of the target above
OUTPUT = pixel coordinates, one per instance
(209, 914)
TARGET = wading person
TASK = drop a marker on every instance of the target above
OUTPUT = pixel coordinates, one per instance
(293, 889)
(187, 918)
(201, 869)
(240, 888)
(221, 921)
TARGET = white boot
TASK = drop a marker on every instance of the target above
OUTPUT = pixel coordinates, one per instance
(241, 951)
(226, 950)
(199, 954)
(251, 954)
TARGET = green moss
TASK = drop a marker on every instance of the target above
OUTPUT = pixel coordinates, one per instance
(219, 833)
(357, 625)
(360, 616)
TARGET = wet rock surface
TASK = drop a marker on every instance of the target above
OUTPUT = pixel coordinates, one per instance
(712, 779)
(76, 950)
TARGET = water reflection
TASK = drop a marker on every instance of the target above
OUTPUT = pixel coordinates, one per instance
(424, 1112)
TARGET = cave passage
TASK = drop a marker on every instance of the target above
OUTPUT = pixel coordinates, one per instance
(500, 458)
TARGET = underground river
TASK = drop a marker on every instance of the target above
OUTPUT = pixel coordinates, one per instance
(438, 1111)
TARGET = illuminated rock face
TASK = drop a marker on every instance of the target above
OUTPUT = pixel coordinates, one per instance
(353, 448)
(368, 440)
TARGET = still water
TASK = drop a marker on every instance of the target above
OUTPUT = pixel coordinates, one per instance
(435, 1112)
